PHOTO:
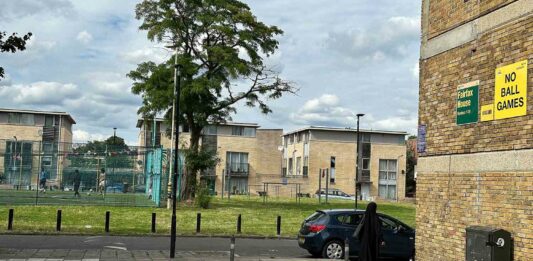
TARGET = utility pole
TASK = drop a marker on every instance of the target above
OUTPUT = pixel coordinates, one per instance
(177, 79)
(357, 158)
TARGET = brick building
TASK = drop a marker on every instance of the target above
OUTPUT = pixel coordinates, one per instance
(24, 135)
(383, 154)
(475, 139)
(247, 152)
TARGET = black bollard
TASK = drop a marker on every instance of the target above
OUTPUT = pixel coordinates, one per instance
(58, 220)
(10, 220)
(239, 224)
(198, 222)
(279, 226)
(107, 215)
(232, 249)
(153, 222)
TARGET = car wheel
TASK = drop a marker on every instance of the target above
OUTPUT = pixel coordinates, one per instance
(333, 250)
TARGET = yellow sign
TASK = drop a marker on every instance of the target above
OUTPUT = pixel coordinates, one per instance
(510, 91)
(487, 112)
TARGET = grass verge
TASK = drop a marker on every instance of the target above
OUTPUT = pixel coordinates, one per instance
(258, 219)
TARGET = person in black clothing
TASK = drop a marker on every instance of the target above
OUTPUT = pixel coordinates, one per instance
(77, 181)
(370, 234)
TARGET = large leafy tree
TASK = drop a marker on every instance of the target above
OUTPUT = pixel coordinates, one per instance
(12, 44)
(221, 47)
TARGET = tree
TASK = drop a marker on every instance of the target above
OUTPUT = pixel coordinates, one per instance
(221, 46)
(113, 149)
(12, 44)
(411, 163)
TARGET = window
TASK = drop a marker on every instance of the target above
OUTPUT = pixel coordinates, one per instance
(366, 148)
(243, 131)
(290, 167)
(49, 121)
(298, 165)
(27, 119)
(387, 179)
(306, 137)
(350, 220)
(306, 166)
(47, 161)
(48, 148)
(387, 224)
(291, 139)
(237, 162)
(332, 170)
(210, 130)
(13, 118)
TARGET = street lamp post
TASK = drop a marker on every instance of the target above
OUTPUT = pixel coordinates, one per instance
(177, 79)
(357, 158)
(114, 135)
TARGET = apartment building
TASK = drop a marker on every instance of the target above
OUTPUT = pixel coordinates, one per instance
(475, 142)
(30, 140)
(306, 151)
(248, 154)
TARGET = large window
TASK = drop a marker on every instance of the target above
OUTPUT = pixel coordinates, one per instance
(237, 162)
(290, 167)
(387, 179)
(243, 131)
(365, 157)
(21, 118)
(306, 166)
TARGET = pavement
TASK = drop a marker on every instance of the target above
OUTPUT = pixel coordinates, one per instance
(92, 248)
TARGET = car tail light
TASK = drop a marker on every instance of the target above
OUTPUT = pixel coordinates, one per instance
(316, 228)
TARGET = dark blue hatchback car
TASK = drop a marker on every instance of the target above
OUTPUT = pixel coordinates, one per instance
(323, 234)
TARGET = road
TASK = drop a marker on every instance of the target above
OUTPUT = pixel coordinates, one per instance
(18, 246)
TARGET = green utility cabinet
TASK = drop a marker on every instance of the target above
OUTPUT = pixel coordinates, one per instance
(487, 244)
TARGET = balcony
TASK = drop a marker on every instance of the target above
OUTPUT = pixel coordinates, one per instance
(237, 169)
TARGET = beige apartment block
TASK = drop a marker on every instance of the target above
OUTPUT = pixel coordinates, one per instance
(475, 170)
(382, 176)
(247, 154)
(31, 140)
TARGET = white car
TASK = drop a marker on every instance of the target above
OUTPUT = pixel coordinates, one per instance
(335, 194)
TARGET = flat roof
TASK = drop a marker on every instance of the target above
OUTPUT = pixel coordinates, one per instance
(40, 112)
(228, 123)
(339, 129)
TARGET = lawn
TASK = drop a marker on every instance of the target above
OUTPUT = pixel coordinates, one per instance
(258, 218)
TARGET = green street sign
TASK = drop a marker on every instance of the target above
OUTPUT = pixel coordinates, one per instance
(468, 103)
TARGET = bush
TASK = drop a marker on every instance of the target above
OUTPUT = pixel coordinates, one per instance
(203, 198)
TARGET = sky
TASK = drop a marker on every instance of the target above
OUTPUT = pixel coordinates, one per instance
(344, 56)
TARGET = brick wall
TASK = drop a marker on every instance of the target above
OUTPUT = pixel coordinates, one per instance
(481, 173)
(447, 204)
(441, 74)
(446, 14)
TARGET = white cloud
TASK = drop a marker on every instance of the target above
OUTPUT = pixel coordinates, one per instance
(324, 110)
(81, 136)
(84, 37)
(154, 54)
(396, 123)
(40, 93)
(416, 70)
(392, 38)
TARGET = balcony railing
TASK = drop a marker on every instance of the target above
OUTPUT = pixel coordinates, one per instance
(238, 169)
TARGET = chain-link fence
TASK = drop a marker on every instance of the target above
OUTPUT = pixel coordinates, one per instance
(95, 173)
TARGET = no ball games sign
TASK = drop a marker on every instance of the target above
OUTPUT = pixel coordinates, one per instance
(510, 91)
(467, 103)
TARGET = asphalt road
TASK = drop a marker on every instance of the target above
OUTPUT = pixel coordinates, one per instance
(243, 246)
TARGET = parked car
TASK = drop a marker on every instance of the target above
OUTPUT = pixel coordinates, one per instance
(334, 194)
(323, 233)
